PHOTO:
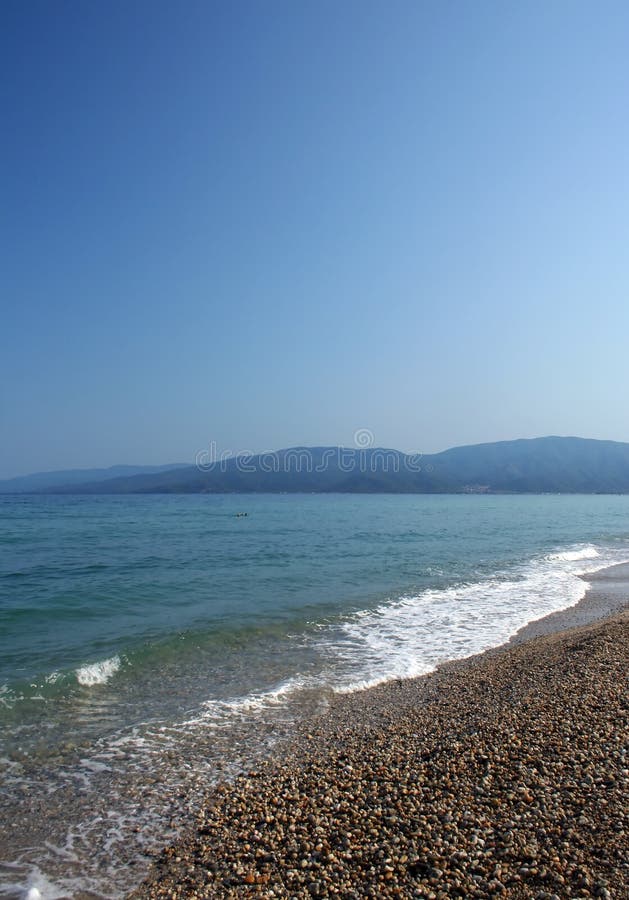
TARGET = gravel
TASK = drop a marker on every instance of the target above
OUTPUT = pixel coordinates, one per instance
(503, 776)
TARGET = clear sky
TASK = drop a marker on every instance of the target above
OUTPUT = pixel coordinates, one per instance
(273, 223)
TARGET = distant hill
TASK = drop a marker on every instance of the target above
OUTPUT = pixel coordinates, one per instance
(539, 465)
(549, 464)
(44, 481)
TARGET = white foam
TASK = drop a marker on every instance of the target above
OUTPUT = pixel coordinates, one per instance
(34, 886)
(38, 886)
(216, 711)
(7, 697)
(98, 672)
(588, 552)
(413, 634)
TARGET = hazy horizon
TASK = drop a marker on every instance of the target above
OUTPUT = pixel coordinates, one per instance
(272, 226)
(214, 455)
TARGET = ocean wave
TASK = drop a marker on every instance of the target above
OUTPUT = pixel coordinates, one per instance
(215, 711)
(413, 634)
(587, 552)
(99, 672)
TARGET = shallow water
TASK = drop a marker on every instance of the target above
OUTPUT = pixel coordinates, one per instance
(150, 645)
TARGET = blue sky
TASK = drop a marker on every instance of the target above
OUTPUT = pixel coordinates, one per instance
(269, 224)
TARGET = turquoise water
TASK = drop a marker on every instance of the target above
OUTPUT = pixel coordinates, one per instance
(142, 622)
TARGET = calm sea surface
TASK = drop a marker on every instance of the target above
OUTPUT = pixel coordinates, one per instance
(151, 644)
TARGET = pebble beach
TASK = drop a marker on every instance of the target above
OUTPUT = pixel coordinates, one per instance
(502, 775)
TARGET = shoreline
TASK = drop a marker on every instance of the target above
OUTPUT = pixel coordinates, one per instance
(607, 593)
(497, 774)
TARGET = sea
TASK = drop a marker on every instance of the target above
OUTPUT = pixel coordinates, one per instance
(152, 646)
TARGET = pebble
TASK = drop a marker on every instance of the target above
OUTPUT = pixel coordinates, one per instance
(501, 776)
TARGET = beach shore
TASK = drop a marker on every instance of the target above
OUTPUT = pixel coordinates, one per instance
(502, 775)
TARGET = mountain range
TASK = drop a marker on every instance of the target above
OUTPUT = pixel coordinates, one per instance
(538, 465)
(67, 478)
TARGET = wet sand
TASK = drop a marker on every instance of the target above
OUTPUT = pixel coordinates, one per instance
(502, 775)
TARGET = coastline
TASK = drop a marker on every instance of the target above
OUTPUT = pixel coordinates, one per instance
(607, 594)
(501, 774)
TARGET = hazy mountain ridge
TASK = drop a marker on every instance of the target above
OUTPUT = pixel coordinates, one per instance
(43, 481)
(537, 465)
